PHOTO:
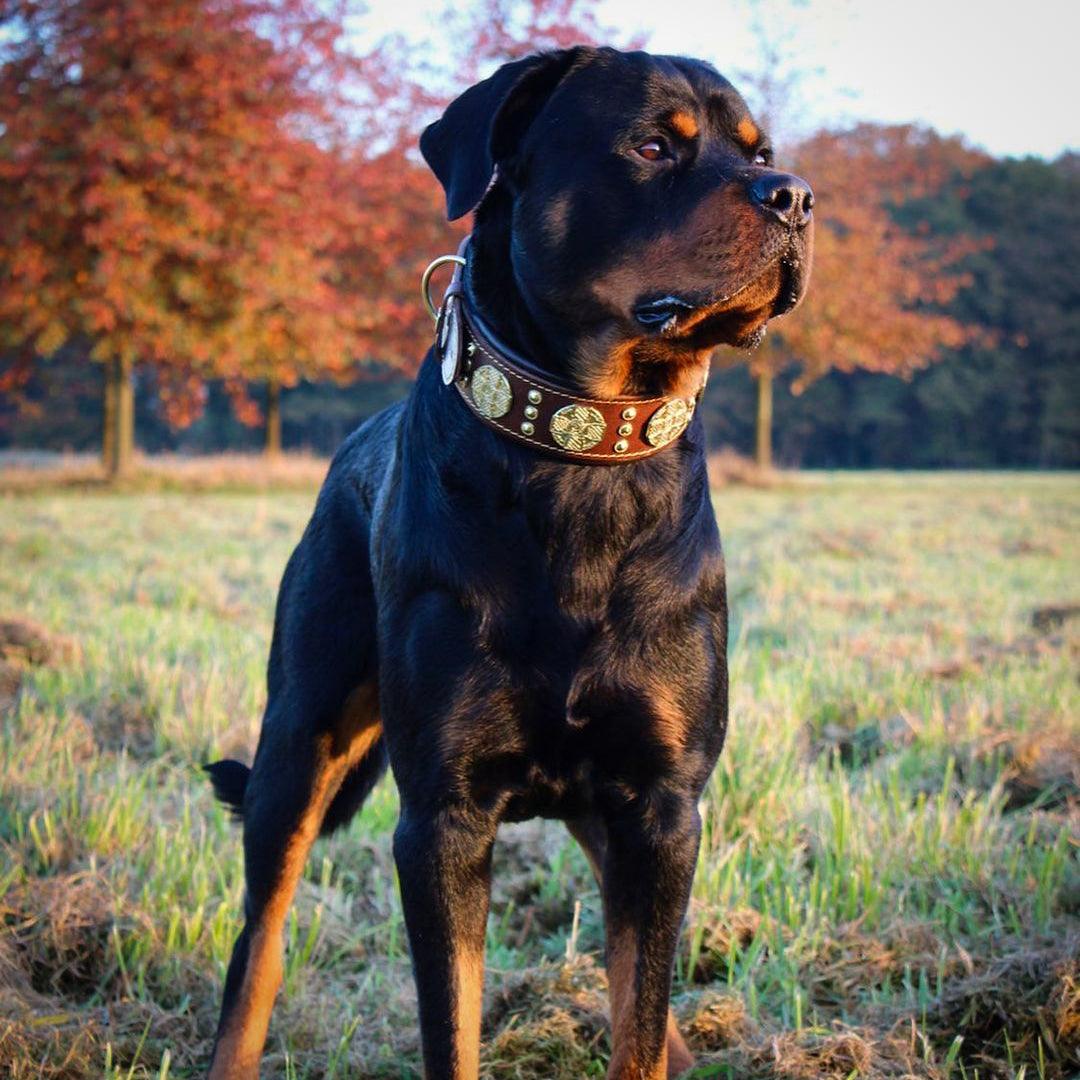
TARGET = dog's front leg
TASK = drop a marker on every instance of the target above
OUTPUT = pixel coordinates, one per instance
(648, 869)
(444, 866)
(592, 836)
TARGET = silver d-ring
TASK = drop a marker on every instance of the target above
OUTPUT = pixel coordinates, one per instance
(425, 279)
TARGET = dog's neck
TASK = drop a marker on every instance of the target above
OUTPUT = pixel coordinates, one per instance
(548, 343)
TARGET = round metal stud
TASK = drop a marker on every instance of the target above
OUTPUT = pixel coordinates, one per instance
(668, 422)
(629, 412)
(535, 397)
(577, 427)
(622, 446)
(491, 392)
(527, 428)
(626, 429)
(531, 412)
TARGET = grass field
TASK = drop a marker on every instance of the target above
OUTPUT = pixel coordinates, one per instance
(888, 884)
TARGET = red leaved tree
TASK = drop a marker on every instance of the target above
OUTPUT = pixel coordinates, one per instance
(217, 188)
(878, 289)
(168, 185)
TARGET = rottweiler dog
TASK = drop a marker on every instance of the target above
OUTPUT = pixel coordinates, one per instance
(520, 633)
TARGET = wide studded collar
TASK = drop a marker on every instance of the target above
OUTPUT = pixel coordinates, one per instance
(516, 398)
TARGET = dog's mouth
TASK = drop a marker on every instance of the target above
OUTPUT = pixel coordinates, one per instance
(736, 316)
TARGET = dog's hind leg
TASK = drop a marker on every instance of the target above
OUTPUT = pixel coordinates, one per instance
(292, 787)
(592, 836)
(320, 749)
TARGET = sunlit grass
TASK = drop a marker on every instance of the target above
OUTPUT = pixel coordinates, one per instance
(888, 883)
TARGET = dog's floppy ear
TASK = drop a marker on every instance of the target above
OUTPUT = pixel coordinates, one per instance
(484, 125)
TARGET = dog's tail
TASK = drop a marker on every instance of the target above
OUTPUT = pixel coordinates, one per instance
(230, 780)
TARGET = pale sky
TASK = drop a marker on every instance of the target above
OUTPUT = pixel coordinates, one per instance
(1005, 75)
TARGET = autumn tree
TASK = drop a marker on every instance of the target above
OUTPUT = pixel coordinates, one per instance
(169, 175)
(397, 208)
(879, 289)
(218, 190)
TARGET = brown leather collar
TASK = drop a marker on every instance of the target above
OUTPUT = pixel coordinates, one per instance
(524, 403)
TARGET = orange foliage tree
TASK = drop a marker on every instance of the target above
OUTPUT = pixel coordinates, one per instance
(216, 188)
(878, 288)
(169, 186)
(394, 205)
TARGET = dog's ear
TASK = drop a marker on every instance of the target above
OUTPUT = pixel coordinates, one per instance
(482, 128)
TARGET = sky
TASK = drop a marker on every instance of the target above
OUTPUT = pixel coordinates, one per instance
(1006, 75)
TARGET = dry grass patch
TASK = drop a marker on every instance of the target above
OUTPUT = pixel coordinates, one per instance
(169, 472)
(25, 644)
(727, 468)
(1027, 993)
(546, 1023)
(61, 930)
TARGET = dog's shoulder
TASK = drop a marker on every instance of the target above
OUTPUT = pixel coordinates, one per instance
(360, 466)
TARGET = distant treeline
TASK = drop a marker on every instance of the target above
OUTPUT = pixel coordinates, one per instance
(1011, 399)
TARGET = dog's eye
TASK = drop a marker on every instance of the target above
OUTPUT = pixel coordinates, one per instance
(763, 156)
(653, 150)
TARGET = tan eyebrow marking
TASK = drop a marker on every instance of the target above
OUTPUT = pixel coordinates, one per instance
(748, 133)
(684, 124)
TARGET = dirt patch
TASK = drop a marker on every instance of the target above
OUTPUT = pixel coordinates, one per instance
(1024, 990)
(1038, 767)
(1053, 616)
(11, 677)
(854, 544)
(851, 961)
(1031, 991)
(1042, 767)
(719, 1020)
(23, 641)
(61, 930)
(983, 652)
(25, 644)
(1030, 547)
(126, 722)
(734, 930)
(841, 1054)
(850, 744)
(64, 996)
(547, 1022)
(530, 878)
(47, 1039)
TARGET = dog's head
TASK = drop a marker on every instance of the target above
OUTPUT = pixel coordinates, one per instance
(644, 217)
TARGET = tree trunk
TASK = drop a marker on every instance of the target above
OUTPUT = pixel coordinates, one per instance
(763, 426)
(273, 418)
(108, 414)
(118, 441)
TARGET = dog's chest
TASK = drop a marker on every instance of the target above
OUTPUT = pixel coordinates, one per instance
(557, 641)
(602, 674)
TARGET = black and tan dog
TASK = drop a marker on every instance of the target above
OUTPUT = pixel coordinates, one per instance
(512, 587)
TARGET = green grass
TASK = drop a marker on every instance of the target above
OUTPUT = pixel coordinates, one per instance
(888, 884)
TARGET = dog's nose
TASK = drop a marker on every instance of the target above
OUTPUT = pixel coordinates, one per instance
(788, 197)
